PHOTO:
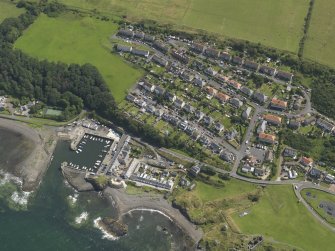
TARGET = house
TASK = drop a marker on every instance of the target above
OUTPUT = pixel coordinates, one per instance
(215, 148)
(250, 65)
(204, 140)
(227, 156)
(162, 47)
(305, 161)
(199, 115)
(262, 127)
(222, 97)
(246, 113)
(150, 109)
(221, 78)
(212, 53)
(123, 48)
(189, 130)
(139, 35)
(198, 48)
(272, 119)
(141, 53)
(126, 33)
(235, 102)
(211, 91)
(188, 108)
(225, 56)
(174, 120)
(266, 138)
(231, 135)
(159, 113)
(170, 96)
(147, 86)
(325, 125)
(159, 90)
(199, 82)
(294, 124)
(160, 61)
(195, 135)
(246, 168)
(218, 127)
(183, 125)
(269, 155)
(180, 56)
(284, 76)
(290, 153)
(330, 179)
(179, 103)
(315, 173)
(236, 85)
(237, 60)
(260, 97)
(267, 70)
(208, 120)
(245, 90)
(149, 38)
(259, 172)
(278, 104)
(211, 72)
(131, 98)
(309, 121)
(195, 170)
(187, 76)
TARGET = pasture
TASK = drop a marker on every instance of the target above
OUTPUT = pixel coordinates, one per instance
(278, 215)
(320, 42)
(80, 40)
(270, 22)
(8, 9)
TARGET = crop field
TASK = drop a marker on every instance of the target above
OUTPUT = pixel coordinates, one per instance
(315, 197)
(273, 23)
(73, 39)
(8, 10)
(278, 215)
(320, 42)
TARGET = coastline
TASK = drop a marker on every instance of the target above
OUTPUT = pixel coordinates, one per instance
(125, 203)
(32, 168)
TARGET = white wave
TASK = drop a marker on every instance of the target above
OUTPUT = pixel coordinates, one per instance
(21, 198)
(81, 218)
(105, 234)
(7, 177)
(73, 198)
(150, 210)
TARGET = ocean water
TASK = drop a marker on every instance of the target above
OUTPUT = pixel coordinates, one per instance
(49, 222)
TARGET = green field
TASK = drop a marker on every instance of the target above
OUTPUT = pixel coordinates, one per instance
(53, 112)
(320, 196)
(73, 39)
(273, 23)
(320, 43)
(8, 10)
(278, 215)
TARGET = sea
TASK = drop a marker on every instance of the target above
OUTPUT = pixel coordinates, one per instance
(56, 217)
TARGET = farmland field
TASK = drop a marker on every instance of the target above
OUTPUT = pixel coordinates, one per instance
(273, 23)
(280, 216)
(320, 43)
(8, 10)
(73, 39)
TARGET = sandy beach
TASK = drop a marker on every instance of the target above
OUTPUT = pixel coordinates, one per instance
(32, 169)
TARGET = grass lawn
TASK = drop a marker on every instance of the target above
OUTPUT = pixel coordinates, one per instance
(8, 9)
(73, 39)
(314, 200)
(273, 23)
(320, 43)
(278, 215)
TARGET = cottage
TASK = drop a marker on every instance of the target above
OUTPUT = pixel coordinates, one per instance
(222, 78)
(294, 124)
(236, 102)
(259, 172)
(162, 47)
(325, 125)
(227, 156)
(123, 48)
(305, 161)
(267, 138)
(208, 120)
(250, 65)
(330, 179)
(198, 48)
(225, 56)
(187, 76)
(180, 57)
(126, 33)
(222, 97)
(245, 90)
(149, 38)
(262, 127)
(199, 115)
(141, 53)
(211, 91)
(236, 85)
(247, 168)
(159, 112)
(315, 173)
(195, 170)
(150, 109)
(204, 140)
(161, 61)
(290, 153)
(272, 119)
(212, 53)
(231, 135)
(215, 148)
(211, 72)
(159, 90)
(170, 96)
(131, 98)
(260, 97)
(278, 104)
(218, 127)
(147, 86)
(309, 121)
(267, 70)
(284, 76)
(188, 108)
(179, 103)
(246, 113)
(174, 120)
(199, 82)
(139, 35)
(237, 60)
(183, 125)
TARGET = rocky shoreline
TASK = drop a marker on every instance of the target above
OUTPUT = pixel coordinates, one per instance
(32, 168)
